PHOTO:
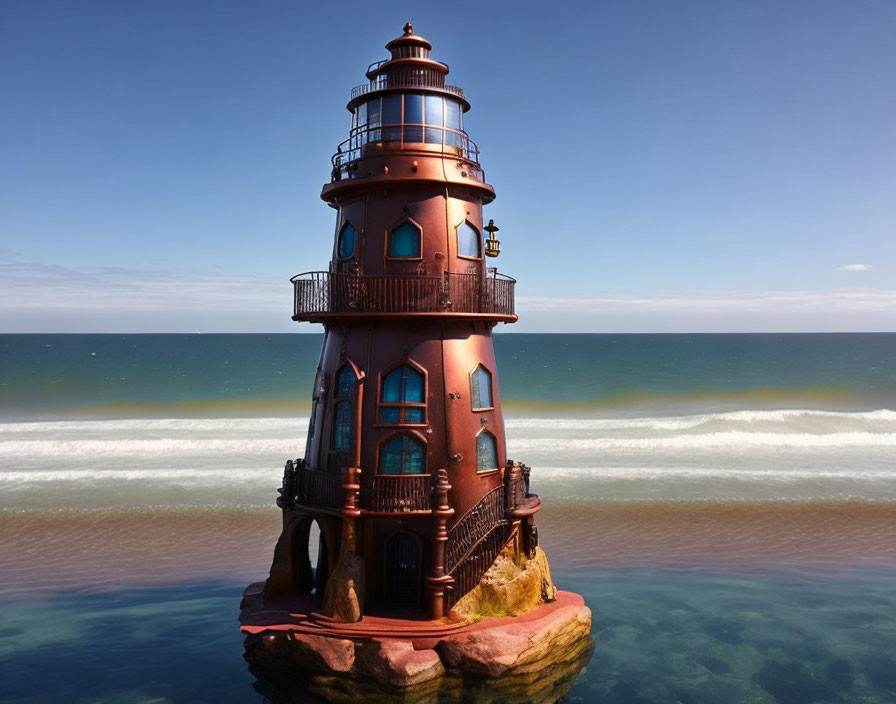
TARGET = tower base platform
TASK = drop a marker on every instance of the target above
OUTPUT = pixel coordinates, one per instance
(534, 656)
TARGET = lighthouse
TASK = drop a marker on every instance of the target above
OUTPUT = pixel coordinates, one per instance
(405, 469)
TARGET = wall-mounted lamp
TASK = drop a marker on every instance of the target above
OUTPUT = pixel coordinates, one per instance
(492, 245)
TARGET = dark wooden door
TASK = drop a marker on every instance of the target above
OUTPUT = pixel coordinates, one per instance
(402, 570)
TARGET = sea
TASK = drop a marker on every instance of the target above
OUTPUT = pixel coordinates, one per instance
(726, 503)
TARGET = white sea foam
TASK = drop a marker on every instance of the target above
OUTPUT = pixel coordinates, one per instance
(744, 455)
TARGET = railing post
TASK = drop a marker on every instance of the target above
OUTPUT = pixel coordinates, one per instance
(437, 581)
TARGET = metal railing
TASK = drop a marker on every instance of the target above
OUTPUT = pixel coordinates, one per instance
(473, 527)
(453, 142)
(318, 293)
(404, 81)
(399, 493)
(470, 569)
(310, 486)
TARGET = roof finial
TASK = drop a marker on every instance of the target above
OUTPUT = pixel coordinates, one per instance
(408, 29)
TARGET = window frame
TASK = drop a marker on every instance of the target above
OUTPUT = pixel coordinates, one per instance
(494, 438)
(335, 400)
(478, 232)
(412, 435)
(346, 224)
(392, 228)
(401, 405)
(491, 389)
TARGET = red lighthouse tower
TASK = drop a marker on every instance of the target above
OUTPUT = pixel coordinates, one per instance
(427, 533)
(405, 467)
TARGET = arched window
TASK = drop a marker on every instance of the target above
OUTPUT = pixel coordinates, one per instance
(486, 452)
(481, 388)
(345, 246)
(403, 397)
(344, 409)
(402, 454)
(468, 241)
(404, 242)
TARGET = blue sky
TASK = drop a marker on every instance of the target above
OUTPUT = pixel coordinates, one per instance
(660, 166)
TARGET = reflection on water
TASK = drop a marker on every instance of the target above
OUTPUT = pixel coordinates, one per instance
(546, 686)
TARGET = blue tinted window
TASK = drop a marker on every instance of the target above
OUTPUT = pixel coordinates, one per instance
(403, 384)
(346, 246)
(388, 415)
(433, 135)
(342, 427)
(373, 112)
(452, 114)
(345, 383)
(467, 240)
(413, 134)
(481, 388)
(391, 109)
(413, 109)
(402, 455)
(486, 452)
(434, 110)
(404, 389)
(404, 241)
(362, 114)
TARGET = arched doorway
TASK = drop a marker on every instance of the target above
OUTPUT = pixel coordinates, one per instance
(310, 558)
(402, 569)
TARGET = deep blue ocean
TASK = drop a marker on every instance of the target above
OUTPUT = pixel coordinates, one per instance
(726, 504)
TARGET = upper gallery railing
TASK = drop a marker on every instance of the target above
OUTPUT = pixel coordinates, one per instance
(321, 293)
(454, 142)
(406, 80)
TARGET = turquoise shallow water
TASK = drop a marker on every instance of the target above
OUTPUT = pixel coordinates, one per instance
(46, 376)
(661, 636)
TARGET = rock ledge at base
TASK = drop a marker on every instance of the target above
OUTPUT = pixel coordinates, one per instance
(556, 633)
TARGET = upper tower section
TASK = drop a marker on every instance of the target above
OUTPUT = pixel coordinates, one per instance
(406, 126)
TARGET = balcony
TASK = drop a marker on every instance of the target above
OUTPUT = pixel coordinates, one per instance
(414, 80)
(302, 485)
(367, 140)
(321, 295)
(400, 493)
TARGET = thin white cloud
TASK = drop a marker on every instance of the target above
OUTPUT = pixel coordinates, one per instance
(53, 298)
(854, 267)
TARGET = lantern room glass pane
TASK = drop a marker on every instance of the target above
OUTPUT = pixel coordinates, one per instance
(374, 113)
(362, 114)
(433, 135)
(392, 109)
(413, 109)
(434, 110)
(402, 455)
(342, 427)
(413, 134)
(404, 242)
(346, 245)
(452, 114)
(467, 241)
(486, 453)
(481, 388)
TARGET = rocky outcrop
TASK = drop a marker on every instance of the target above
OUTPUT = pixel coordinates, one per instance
(538, 653)
(519, 646)
(344, 595)
(512, 585)
(393, 662)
